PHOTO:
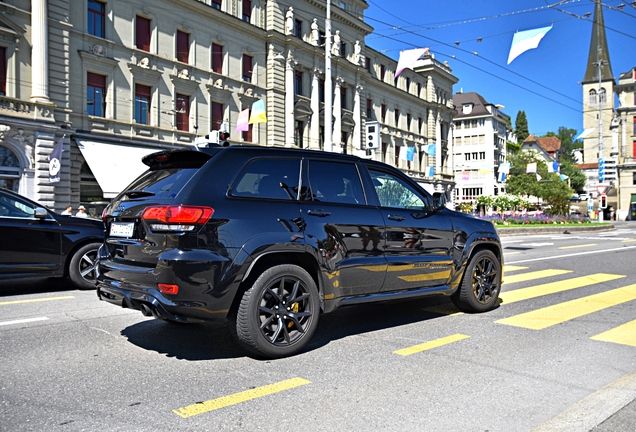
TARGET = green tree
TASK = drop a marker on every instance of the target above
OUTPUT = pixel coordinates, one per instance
(553, 192)
(521, 127)
(566, 156)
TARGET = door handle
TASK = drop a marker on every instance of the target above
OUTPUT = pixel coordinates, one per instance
(396, 217)
(319, 213)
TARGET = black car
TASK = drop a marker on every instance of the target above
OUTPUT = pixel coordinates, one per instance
(37, 242)
(269, 238)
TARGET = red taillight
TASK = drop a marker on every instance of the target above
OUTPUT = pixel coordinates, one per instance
(176, 218)
(168, 288)
(104, 213)
(178, 215)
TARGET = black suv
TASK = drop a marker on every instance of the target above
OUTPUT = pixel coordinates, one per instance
(268, 238)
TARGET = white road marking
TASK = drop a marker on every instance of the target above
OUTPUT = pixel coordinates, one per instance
(573, 254)
(22, 321)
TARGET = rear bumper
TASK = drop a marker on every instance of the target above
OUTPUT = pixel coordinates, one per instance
(201, 296)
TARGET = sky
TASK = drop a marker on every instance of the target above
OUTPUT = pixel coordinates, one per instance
(475, 36)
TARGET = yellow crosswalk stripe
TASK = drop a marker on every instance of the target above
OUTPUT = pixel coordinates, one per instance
(37, 300)
(534, 275)
(508, 297)
(562, 312)
(225, 401)
(430, 345)
(514, 268)
(624, 334)
(578, 246)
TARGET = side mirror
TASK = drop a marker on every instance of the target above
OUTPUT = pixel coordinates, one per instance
(439, 200)
(40, 213)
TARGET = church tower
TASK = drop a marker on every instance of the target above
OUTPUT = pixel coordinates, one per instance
(598, 97)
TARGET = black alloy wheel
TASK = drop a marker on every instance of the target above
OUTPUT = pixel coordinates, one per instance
(481, 284)
(279, 314)
(83, 266)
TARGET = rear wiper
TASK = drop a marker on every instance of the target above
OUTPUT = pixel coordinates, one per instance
(138, 193)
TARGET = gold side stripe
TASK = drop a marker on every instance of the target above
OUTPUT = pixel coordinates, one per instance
(426, 276)
(534, 275)
(562, 312)
(624, 335)
(508, 297)
(236, 398)
(36, 300)
(430, 345)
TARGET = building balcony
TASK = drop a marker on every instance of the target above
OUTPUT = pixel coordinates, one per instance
(18, 108)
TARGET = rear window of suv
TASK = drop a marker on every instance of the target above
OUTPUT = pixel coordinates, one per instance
(163, 183)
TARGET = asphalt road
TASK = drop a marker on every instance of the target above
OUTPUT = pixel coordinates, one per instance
(559, 353)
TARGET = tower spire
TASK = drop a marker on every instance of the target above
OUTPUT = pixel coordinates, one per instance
(598, 49)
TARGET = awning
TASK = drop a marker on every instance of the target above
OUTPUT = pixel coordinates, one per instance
(114, 166)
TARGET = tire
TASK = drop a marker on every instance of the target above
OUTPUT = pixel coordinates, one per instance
(82, 268)
(279, 314)
(481, 284)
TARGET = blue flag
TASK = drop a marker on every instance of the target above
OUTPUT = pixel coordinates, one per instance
(55, 161)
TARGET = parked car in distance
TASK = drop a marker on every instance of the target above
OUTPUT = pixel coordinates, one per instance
(269, 238)
(37, 242)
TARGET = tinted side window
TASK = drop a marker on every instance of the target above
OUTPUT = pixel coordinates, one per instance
(269, 178)
(11, 207)
(335, 182)
(394, 192)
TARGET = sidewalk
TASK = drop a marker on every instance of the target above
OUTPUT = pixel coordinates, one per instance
(611, 409)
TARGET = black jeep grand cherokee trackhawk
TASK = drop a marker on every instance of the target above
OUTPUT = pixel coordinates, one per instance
(269, 238)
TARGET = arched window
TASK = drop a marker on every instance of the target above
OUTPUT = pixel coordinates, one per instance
(602, 97)
(9, 169)
(592, 97)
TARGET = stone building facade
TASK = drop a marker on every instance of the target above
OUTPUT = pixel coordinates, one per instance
(481, 133)
(114, 80)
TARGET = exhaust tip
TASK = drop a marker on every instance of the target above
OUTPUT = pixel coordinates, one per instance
(145, 310)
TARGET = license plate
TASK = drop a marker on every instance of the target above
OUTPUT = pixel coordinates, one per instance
(120, 229)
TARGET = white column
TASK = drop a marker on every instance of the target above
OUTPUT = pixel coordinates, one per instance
(314, 126)
(337, 111)
(328, 89)
(289, 100)
(40, 52)
(357, 118)
(438, 146)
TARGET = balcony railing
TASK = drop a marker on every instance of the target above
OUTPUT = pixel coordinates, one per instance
(25, 109)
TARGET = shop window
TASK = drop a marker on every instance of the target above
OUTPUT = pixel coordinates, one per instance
(96, 18)
(142, 33)
(9, 169)
(95, 94)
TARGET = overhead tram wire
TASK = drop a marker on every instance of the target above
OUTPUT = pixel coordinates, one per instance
(482, 70)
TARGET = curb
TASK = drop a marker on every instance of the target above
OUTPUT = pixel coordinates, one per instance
(503, 232)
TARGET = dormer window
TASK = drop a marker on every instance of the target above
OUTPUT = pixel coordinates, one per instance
(467, 108)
